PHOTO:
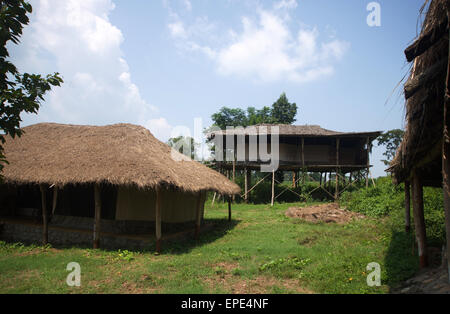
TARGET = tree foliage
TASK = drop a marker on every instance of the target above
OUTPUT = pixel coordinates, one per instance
(281, 112)
(19, 92)
(184, 145)
(391, 139)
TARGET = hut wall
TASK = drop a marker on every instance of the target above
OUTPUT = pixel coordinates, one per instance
(139, 205)
(317, 154)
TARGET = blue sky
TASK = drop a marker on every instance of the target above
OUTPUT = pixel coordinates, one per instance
(163, 63)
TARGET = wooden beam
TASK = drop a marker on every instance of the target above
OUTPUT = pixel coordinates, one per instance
(407, 207)
(43, 189)
(336, 192)
(367, 161)
(158, 218)
(247, 179)
(303, 152)
(426, 40)
(214, 198)
(229, 208)
(273, 187)
(97, 215)
(55, 199)
(198, 218)
(419, 219)
(294, 179)
(423, 79)
(446, 157)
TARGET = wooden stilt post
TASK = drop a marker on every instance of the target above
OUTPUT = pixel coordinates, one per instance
(419, 219)
(294, 179)
(55, 199)
(198, 214)
(446, 188)
(43, 189)
(407, 207)
(336, 195)
(303, 152)
(446, 158)
(368, 162)
(247, 175)
(229, 208)
(97, 215)
(273, 187)
(320, 181)
(214, 198)
(158, 219)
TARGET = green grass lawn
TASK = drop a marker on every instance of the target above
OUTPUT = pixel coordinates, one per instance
(260, 251)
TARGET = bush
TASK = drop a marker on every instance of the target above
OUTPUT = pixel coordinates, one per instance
(389, 199)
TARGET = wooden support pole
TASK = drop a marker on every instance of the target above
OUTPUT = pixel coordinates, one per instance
(55, 199)
(419, 219)
(320, 181)
(43, 189)
(158, 219)
(229, 208)
(336, 195)
(407, 207)
(303, 153)
(368, 162)
(97, 215)
(198, 218)
(294, 179)
(247, 175)
(214, 198)
(446, 158)
(273, 187)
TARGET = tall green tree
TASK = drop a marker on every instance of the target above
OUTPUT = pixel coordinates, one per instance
(283, 112)
(229, 117)
(18, 92)
(391, 140)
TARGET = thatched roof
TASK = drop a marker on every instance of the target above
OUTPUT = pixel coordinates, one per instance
(293, 130)
(421, 147)
(120, 154)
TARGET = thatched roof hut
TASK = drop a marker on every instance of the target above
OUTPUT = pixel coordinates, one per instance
(423, 158)
(421, 148)
(120, 154)
(118, 172)
(292, 130)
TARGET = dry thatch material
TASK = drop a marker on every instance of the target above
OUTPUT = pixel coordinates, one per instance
(120, 154)
(421, 147)
(287, 129)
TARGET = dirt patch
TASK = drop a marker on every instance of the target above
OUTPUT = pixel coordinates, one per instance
(328, 213)
(227, 276)
(259, 285)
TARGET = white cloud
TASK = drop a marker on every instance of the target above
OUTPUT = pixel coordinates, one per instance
(266, 49)
(285, 4)
(77, 39)
(187, 4)
(177, 29)
(160, 128)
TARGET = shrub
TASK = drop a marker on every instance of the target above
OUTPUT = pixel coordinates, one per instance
(389, 199)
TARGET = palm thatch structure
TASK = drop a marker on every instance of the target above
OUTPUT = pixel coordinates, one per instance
(306, 148)
(423, 156)
(120, 171)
